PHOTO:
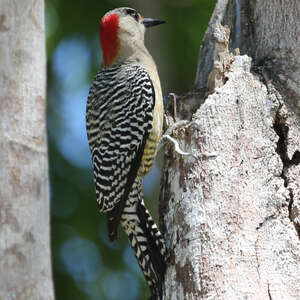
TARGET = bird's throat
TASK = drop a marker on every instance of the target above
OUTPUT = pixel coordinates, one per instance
(109, 38)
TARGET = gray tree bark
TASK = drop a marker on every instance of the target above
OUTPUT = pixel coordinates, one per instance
(25, 268)
(231, 210)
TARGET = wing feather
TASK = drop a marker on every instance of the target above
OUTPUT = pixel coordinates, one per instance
(119, 119)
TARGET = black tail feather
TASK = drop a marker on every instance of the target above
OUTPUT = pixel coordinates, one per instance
(146, 240)
(155, 242)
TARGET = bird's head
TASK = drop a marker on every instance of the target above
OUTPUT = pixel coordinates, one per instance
(122, 30)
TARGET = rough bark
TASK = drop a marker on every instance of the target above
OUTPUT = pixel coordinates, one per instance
(231, 210)
(25, 268)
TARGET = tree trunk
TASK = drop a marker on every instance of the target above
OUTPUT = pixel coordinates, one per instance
(25, 268)
(231, 210)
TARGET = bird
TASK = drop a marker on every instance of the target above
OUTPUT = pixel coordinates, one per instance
(124, 123)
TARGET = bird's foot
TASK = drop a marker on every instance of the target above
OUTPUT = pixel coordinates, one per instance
(168, 138)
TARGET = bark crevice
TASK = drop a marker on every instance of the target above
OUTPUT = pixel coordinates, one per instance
(282, 130)
(269, 292)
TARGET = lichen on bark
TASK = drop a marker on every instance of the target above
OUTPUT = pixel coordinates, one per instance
(228, 207)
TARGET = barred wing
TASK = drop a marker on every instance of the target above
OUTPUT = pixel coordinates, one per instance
(118, 120)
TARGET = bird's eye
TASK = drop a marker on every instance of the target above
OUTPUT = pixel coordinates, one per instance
(133, 14)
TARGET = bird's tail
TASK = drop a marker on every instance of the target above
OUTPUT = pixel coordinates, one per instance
(145, 239)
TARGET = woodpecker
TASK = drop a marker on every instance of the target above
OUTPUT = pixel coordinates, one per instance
(124, 119)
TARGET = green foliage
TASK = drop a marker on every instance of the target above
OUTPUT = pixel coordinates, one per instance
(85, 264)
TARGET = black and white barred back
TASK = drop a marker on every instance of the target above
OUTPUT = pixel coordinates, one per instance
(119, 120)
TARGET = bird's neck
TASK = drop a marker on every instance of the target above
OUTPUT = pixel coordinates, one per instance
(134, 52)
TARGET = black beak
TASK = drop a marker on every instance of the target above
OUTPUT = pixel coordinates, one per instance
(148, 22)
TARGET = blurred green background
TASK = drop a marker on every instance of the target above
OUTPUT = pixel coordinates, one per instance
(85, 264)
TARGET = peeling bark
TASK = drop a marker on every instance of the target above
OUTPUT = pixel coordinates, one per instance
(231, 210)
(25, 268)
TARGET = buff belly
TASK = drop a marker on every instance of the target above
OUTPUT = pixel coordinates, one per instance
(149, 154)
